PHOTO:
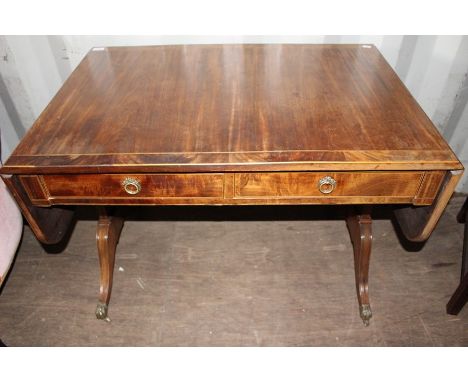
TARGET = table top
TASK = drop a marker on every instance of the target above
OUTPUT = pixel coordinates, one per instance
(193, 108)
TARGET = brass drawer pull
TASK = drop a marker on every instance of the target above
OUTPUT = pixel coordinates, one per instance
(326, 185)
(131, 186)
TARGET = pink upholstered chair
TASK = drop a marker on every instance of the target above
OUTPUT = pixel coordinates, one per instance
(11, 228)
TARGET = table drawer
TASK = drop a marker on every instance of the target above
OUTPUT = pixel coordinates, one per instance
(340, 187)
(133, 186)
(327, 184)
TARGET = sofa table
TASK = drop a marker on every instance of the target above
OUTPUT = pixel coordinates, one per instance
(233, 125)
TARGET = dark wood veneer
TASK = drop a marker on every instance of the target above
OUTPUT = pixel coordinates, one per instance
(416, 187)
(232, 107)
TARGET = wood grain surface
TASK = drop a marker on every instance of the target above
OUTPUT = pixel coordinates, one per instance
(417, 223)
(283, 184)
(50, 225)
(373, 187)
(232, 108)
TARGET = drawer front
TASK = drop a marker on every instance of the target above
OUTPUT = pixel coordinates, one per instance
(134, 186)
(415, 187)
(402, 185)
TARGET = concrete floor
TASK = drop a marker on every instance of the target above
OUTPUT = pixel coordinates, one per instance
(217, 276)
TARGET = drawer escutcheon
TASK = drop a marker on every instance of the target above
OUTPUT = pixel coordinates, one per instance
(131, 186)
(326, 185)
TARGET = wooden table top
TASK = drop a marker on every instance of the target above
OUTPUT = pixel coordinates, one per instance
(192, 108)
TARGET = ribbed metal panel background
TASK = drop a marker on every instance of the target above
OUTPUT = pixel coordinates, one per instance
(434, 68)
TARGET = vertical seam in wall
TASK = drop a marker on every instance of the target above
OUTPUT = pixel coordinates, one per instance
(11, 110)
(459, 106)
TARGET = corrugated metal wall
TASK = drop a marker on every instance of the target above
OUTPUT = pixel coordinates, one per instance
(434, 68)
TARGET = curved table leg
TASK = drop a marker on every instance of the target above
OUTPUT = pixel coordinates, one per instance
(107, 237)
(360, 230)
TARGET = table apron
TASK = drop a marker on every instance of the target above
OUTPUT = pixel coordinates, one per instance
(325, 187)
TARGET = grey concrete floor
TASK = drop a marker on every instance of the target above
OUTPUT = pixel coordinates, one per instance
(262, 276)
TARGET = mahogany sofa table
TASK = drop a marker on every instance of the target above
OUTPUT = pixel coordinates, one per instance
(233, 125)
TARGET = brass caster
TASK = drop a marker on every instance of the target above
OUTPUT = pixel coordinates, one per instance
(366, 313)
(101, 311)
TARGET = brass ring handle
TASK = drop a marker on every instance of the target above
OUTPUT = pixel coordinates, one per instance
(131, 186)
(326, 185)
